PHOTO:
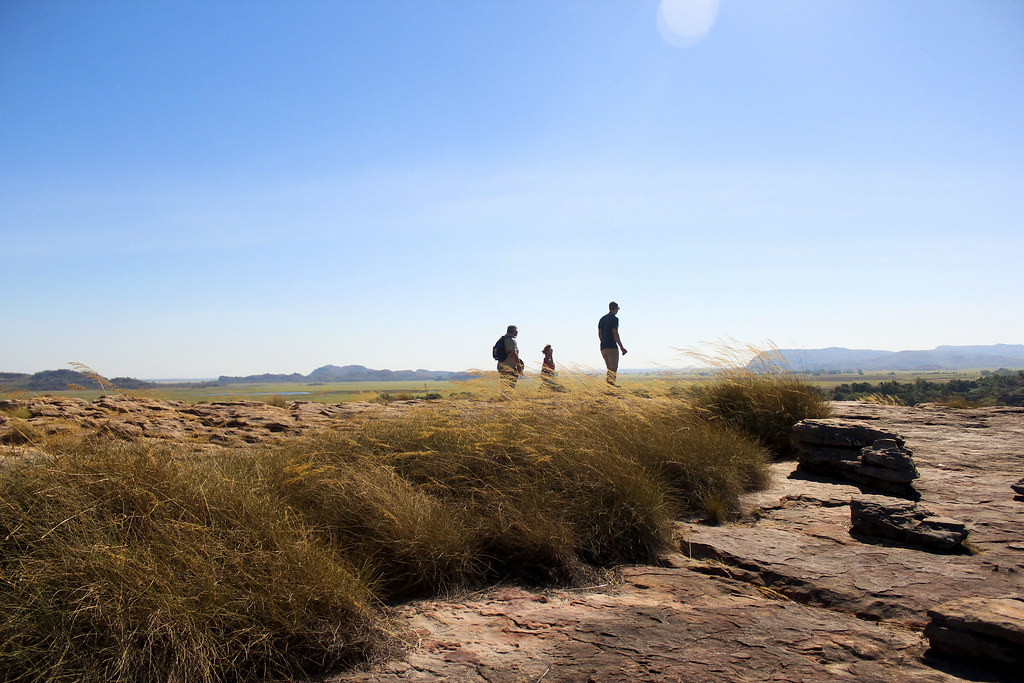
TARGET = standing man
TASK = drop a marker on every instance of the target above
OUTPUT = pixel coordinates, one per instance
(509, 364)
(608, 333)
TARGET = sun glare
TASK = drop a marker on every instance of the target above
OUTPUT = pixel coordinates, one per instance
(684, 23)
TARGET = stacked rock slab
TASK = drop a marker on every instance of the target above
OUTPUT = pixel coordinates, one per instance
(907, 522)
(864, 455)
(991, 629)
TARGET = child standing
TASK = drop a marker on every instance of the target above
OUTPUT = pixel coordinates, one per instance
(547, 369)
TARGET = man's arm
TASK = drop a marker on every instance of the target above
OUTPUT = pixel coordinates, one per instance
(615, 336)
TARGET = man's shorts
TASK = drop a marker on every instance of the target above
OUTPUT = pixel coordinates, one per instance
(611, 359)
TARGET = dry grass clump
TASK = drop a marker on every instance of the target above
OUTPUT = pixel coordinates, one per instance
(21, 432)
(480, 495)
(122, 562)
(548, 488)
(695, 458)
(276, 400)
(406, 539)
(762, 398)
(883, 399)
(956, 402)
(12, 409)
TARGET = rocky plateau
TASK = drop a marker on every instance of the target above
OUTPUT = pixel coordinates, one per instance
(799, 587)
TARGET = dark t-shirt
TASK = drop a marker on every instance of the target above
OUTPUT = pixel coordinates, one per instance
(605, 326)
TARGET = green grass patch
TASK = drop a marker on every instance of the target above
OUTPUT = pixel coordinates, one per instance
(830, 380)
(331, 392)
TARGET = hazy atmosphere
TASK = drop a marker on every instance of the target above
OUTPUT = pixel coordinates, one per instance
(189, 189)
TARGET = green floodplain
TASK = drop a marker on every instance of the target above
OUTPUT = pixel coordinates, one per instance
(330, 392)
(479, 387)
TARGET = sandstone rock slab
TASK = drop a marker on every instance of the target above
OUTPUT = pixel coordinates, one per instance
(907, 522)
(979, 628)
(863, 454)
(843, 433)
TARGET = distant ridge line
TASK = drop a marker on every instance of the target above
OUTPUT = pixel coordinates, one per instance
(977, 357)
(351, 373)
(59, 380)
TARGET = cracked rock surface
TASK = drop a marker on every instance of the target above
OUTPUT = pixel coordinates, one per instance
(661, 624)
(205, 425)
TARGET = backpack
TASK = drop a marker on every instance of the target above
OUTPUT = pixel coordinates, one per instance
(498, 352)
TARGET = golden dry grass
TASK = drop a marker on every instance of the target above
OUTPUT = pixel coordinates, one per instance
(124, 562)
(761, 398)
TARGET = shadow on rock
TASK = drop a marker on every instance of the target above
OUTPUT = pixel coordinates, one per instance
(970, 670)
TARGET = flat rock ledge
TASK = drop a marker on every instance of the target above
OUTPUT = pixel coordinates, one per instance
(863, 454)
(205, 426)
(979, 629)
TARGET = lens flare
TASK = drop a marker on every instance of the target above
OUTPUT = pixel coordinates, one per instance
(685, 22)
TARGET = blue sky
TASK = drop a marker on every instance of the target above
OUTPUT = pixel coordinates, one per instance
(189, 189)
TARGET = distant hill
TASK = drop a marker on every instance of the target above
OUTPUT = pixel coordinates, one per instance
(358, 373)
(1010, 356)
(350, 373)
(60, 380)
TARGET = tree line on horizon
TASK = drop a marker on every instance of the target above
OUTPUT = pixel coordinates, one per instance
(61, 380)
(1001, 387)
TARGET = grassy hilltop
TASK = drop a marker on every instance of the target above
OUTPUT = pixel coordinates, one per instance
(139, 561)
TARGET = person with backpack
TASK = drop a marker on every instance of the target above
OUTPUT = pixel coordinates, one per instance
(510, 366)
